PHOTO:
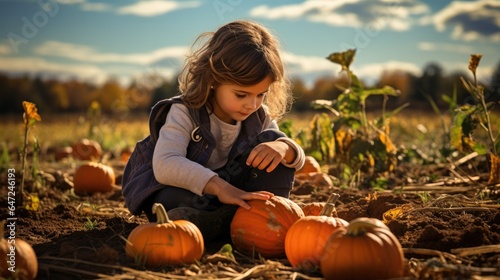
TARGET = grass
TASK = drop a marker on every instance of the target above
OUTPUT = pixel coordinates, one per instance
(64, 130)
(409, 128)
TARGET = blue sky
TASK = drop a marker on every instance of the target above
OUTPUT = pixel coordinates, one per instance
(92, 40)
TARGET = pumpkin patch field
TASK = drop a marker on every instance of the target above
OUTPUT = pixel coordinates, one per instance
(431, 215)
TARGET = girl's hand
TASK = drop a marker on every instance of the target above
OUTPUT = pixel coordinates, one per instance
(229, 194)
(270, 154)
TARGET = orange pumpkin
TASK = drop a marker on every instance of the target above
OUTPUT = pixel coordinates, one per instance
(263, 228)
(307, 237)
(313, 208)
(86, 149)
(125, 154)
(93, 177)
(20, 263)
(165, 242)
(365, 249)
(311, 165)
(321, 208)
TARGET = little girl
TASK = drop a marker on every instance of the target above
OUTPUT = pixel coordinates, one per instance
(219, 144)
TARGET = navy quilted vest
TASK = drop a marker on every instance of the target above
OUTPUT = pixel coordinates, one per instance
(138, 181)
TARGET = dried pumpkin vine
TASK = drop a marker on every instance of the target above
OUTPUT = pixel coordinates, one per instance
(471, 118)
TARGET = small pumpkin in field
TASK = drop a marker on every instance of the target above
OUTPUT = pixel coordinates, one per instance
(365, 249)
(263, 228)
(93, 177)
(125, 154)
(20, 263)
(319, 179)
(86, 149)
(314, 209)
(311, 165)
(307, 237)
(165, 242)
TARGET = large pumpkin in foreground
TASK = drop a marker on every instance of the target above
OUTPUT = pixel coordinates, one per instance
(263, 228)
(165, 242)
(365, 249)
(307, 237)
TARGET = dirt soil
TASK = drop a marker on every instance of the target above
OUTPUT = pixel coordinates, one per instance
(445, 230)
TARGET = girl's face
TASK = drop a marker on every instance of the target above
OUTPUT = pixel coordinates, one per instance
(234, 103)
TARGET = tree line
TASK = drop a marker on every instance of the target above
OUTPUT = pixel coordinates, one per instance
(54, 96)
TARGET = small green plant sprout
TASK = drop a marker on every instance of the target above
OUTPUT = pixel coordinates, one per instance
(30, 118)
(470, 119)
(359, 143)
(90, 225)
(425, 196)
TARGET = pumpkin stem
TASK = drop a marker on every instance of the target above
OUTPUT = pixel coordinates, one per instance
(161, 214)
(329, 207)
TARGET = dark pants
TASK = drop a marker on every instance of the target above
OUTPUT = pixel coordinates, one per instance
(237, 173)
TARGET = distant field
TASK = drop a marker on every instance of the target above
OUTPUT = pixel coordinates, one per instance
(117, 132)
(60, 130)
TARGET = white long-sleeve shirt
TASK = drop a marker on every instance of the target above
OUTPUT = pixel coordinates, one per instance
(172, 168)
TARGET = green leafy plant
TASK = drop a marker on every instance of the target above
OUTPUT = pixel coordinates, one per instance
(351, 139)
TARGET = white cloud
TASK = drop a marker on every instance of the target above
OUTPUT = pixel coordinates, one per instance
(429, 46)
(70, 2)
(309, 68)
(86, 72)
(483, 71)
(470, 20)
(371, 72)
(152, 8)
(293, 11)
(93, 66)
(39, 66)
(143, 8)
(300, 64)
(379, 14)
(85, 53)
(95, 7)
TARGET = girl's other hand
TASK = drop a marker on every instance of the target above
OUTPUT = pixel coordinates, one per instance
(229, 194)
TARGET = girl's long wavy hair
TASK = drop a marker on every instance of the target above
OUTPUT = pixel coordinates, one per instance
(242, 53)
